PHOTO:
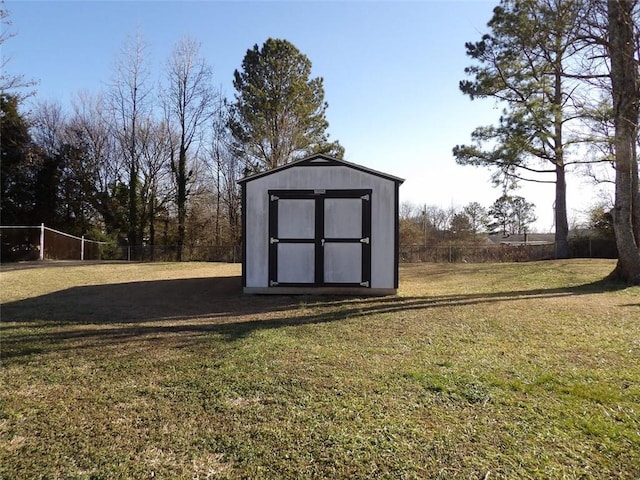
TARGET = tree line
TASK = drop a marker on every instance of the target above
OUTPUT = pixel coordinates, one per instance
(157, 162)
(432, 225)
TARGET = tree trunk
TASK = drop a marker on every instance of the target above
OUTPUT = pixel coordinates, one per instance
(181, 200)
(133, 184)
(562, 224)
(624, 83)
(218, 195)
(152, 227)
(635, 200)
(561, 220)
(133, 201)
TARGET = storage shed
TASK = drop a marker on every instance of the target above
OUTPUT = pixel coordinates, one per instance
(320, 225)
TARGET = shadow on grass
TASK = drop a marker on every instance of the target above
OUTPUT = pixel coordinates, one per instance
(90, 316)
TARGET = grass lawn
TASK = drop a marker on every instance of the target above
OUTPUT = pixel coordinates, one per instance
(515, 371)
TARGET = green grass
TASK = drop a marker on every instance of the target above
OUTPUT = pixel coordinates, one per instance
(528, 370)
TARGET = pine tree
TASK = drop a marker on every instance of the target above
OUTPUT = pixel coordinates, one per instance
(279, 110)
(525, 63)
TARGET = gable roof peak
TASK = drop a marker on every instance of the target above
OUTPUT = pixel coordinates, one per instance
(321, 159)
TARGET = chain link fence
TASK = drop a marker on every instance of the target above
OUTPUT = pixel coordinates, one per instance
(168, 253)
(462, 253)
(475, 254)
(29, 243)
(43, 243)
(32, 243)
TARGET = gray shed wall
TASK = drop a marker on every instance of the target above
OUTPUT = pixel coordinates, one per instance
(383, 213)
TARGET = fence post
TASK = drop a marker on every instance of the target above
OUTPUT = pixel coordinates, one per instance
(42, 241)
(82, 248)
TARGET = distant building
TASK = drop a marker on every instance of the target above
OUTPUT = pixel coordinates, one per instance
(521, 239)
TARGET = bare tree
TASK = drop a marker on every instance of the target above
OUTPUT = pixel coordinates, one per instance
(409, 210)
(48, 126)
(103, 169)
(155, 189)
(10, 83)
(411, 224)
(436, 221)
(188, 99)
(225, 169)
(130, 96)
(89, 126)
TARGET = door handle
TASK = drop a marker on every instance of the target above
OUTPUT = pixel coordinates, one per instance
(322, 242)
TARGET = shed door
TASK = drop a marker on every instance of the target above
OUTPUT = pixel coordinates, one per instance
(320, 238)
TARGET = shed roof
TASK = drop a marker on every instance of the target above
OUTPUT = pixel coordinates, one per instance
(320, 160)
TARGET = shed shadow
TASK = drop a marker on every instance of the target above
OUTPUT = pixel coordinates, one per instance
(135, 302)
(187, 309)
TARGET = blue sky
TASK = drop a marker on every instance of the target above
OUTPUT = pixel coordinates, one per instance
(391, 72)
